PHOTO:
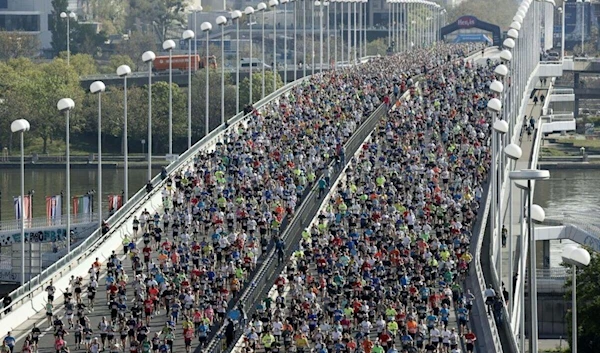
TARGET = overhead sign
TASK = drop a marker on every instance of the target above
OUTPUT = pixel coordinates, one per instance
(466, 21)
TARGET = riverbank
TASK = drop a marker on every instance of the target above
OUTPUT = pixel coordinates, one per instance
(568, 165)
(83, 165)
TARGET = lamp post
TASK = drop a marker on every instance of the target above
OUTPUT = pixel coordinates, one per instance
(97, 87)
(562, 30)
(494, 105)
(149, 57)
(221, 22)
(285, 39)
(68, 17)
(249, 11)
(124, 71)
(21, 126)
(312, 36)
(576, 257)
(501, 128)
(261, 7)
(513, 152)
(365, 22)
(319, 5)
(65, 105)
(304, 38)
(189, 35)
(273, 5)
(335, 34)
(236, 16)
(349, 29)
(195, 12)
(356, 43)
(169, 45)
(326, 12)
(537, 213)
(295, 22)
(206, 27)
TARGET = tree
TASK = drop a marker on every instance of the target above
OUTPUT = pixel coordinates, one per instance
(84, 64)
(17, 44)
(501, 15)
(257, 87)
(57, 26)
(34, 98)
(377, 47)
(116, 61)
(161, 15)
(588, 305)
(214, 96)
(138, 43)
(84, 38)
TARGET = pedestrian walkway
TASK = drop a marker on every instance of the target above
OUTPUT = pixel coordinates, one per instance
(526, 142)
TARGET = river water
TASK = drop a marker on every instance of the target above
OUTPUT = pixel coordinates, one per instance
(47, 182)
(571, 192)
(570, 195)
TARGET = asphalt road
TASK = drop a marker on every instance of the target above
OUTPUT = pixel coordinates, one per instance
(46, 341)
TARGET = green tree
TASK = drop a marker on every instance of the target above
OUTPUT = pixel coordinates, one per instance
(161, 15)
(257, 87)
(377, 47)
(57, 26)
(138, 43)
(34, 98)
(214, 97)
(588, 305)
(501, 15)
(17, 44)
(85, 39)
(84, 64)
(116, 61)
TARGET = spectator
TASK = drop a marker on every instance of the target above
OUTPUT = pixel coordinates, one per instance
(6, 301)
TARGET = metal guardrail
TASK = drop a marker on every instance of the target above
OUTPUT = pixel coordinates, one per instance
(563, 91)
(81, 252)
(40, 222)
(263, 280)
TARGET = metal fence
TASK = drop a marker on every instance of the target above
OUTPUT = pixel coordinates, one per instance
(40, 222)
(259, 284)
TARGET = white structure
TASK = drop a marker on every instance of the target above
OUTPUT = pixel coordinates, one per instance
(29, 16)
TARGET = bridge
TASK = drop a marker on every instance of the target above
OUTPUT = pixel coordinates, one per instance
(29, 300)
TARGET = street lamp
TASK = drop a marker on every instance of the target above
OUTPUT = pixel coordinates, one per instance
(513, 152)
(236, 17)
(261, 7)
(576, 257)
(97, 87)
(65, 105)
(285, 39)
(124, 71)
(537, 213)
(249, 11)
(169, 45)
(320, 7)
(20, 126)
(149, 57)
(206, 27)
(273, 4)
(195, 12)
(221, 22)
(189, 35)
(69, 16)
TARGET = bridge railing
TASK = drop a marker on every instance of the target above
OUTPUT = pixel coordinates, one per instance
(557, 117)
(40, 222)
(563, 91)
(81, 253)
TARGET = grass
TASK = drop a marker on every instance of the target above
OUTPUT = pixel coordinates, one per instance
(553, 152)
(593, 144)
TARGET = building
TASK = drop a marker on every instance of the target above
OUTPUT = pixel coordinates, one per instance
(29, 16)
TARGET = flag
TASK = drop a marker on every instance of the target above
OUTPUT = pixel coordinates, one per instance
(54, 207)
(114, 202)
(82, 204)
(27, 206)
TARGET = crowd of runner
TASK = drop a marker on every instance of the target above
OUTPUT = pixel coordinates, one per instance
(187, 262)
(381, 269)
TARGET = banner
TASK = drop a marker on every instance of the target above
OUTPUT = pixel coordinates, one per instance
(28, 207)
(54, 207)
(82, 205)
(114, 202)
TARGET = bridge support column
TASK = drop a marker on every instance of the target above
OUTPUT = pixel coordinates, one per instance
(576, 85)
(546, 253)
